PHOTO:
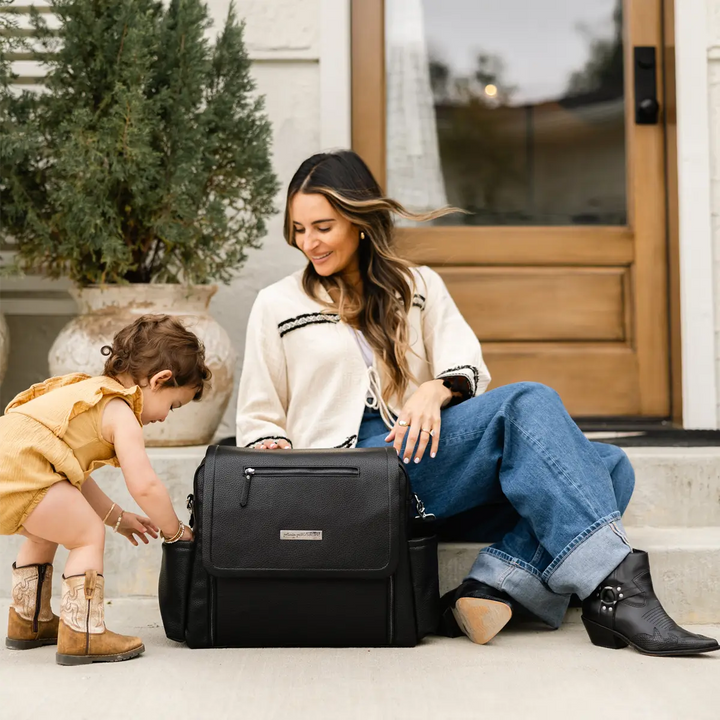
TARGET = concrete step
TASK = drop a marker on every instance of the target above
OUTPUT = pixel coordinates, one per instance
(677, 491)
(685, 565)
(675, 487)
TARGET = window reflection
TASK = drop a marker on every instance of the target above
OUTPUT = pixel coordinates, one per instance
(513, 111)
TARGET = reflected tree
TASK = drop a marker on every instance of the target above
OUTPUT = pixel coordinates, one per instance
(603, 71)
(439, 79)
(478, 162)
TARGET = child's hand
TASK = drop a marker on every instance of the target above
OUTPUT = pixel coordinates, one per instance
(132, 524)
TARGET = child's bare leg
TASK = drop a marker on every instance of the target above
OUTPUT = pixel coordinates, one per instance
(65, 517)
(35, 551)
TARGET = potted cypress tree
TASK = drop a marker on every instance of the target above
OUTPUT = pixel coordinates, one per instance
(145, 176)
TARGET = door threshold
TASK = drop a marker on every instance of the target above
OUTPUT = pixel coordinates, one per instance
(646, 432)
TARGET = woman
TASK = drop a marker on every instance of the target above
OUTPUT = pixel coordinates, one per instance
(360, 350)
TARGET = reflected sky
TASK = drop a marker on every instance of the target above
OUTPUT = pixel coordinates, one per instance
(541, 42)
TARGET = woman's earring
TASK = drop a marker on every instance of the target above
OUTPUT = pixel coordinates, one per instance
(362, 235)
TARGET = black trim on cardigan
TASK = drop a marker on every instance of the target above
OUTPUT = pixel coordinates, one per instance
(320, 318)
(459, 370)
(301, 321)
(348, 443)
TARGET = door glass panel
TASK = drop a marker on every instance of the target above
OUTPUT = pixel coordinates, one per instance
(512, 110)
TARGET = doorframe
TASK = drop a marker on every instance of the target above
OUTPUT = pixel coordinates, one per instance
(693, 291)
(690, 278)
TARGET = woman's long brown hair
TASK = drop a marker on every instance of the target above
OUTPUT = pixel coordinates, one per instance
(381, 310)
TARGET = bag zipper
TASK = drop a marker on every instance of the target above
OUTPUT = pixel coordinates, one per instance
(280, 472)
(250, 472)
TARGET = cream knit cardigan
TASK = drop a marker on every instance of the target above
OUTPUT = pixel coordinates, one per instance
(304, 378)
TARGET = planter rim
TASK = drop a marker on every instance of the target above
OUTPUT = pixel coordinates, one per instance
(172, 298)
(119, 286)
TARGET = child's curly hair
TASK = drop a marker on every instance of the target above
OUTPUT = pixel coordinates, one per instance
(154, 343)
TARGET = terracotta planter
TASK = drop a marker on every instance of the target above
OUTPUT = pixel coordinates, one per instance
(106, 309)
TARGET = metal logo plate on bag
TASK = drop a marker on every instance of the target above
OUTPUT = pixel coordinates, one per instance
(301, 534)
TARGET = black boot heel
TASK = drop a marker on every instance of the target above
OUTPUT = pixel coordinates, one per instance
(602, 636)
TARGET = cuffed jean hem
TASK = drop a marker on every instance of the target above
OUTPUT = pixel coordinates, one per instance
(589, 558)
(503, 572)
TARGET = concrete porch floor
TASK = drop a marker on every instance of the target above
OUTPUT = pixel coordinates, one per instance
(527, 672)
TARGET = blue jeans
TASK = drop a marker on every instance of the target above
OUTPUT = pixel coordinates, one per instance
(558, 496)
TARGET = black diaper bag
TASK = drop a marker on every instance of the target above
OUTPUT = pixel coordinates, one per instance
(293, 548)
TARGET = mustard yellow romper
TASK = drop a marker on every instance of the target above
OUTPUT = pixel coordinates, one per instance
(50, 433)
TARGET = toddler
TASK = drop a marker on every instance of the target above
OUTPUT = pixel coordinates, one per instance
(52, 437)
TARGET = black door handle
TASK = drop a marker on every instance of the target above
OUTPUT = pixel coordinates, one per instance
(647, 107)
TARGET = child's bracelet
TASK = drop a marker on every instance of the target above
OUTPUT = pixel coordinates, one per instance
(117, 524)
(112, 507)
(176, 536)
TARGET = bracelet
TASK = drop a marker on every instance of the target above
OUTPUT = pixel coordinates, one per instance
(176, 536)
(112, 507)
(117, 524)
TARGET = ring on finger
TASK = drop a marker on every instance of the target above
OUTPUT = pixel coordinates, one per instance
(431, 433)
(403, 423)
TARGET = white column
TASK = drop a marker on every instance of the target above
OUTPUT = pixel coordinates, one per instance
(696, 251)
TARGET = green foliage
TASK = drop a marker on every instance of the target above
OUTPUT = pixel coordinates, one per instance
(147, 159)
(13, 143)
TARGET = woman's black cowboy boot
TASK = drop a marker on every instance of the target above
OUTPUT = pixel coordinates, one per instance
(475, 609)
(624, 610)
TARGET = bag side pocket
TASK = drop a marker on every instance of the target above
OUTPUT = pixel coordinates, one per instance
(426, 586)
(174, 585)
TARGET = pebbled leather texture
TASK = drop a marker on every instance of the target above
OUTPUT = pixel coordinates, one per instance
(174, 586)
(625, 610)
(351, 498)
(239, 585)
(426, 586)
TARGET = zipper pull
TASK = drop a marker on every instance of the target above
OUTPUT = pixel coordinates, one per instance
(421, 514)
(249, 472)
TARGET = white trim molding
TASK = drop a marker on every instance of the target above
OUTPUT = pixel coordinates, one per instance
(697, 316)
(335, 80)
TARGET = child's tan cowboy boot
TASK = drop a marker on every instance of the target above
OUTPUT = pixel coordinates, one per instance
(83, 638)
(31, 622)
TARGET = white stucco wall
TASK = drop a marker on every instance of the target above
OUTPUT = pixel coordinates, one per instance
(283, 40)
(300, 52)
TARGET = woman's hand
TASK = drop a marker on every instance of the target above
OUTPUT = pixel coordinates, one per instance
(132, 525)
(274, 445)
(420, 420)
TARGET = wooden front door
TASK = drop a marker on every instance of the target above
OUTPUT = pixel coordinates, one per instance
(524, 114)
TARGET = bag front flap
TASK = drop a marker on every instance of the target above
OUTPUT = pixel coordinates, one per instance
(302, 513)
